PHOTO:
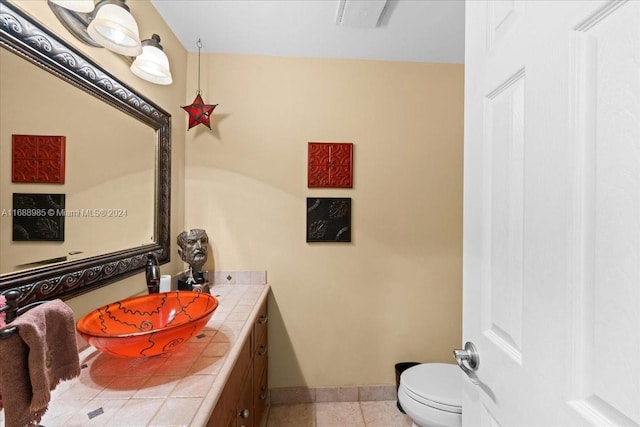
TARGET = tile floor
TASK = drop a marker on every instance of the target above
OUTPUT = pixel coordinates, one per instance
(382, 413)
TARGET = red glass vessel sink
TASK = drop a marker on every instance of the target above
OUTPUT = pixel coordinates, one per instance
(147, 325)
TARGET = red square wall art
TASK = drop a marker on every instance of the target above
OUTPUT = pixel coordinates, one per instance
(37, 159)
(330, 164)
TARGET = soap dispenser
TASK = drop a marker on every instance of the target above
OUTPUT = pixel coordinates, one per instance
(153, 274)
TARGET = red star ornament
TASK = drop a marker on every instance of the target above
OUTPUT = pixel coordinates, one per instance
(199, 112)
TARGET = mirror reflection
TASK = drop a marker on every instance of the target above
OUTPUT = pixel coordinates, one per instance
(109, 169)
(28, 39)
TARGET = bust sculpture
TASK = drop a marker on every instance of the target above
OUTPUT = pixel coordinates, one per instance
(193, 249)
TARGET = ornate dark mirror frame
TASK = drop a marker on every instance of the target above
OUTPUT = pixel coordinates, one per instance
(29, 39)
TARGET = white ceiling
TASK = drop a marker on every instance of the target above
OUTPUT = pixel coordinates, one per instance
(408, 30)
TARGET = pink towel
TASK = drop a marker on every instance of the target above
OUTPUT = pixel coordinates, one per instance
(35, 360)
(3, 315)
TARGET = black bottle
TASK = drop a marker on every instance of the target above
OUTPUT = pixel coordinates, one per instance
(153, 274)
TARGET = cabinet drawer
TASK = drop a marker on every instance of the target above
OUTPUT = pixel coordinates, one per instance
(260, 325)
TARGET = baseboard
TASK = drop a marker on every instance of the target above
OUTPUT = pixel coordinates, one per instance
(292, 395)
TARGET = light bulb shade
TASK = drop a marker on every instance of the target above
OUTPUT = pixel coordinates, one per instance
(114, 28)
(83, 6)
(152, 65)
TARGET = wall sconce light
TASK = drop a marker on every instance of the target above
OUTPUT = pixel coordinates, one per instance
(113, 27)
(152, 65)
(109, 24)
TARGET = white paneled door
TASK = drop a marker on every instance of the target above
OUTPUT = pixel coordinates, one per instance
(552, 213)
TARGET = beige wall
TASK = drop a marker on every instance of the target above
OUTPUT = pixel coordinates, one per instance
(341, 314)
(168, 97)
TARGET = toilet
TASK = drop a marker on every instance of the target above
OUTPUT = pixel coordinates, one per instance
(431, 394)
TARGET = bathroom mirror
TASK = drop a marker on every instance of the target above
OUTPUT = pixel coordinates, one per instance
(144, 225)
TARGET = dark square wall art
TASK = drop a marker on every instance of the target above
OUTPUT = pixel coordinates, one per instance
(328, 219)
(38, 217)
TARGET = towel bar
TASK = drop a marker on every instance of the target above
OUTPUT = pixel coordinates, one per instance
(12, 310)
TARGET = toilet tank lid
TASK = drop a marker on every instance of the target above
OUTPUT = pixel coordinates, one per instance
(438, 382)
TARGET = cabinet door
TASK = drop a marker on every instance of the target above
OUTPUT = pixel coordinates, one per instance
(245, 404)
(222, 415)
(226, 410)
(260, 357)
(260, 401)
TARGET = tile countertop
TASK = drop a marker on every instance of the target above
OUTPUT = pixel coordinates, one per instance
(180, 388)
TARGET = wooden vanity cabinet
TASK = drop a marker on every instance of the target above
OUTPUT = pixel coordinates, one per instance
(244, 398)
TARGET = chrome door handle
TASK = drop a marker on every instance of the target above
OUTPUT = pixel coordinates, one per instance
(468, 360)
